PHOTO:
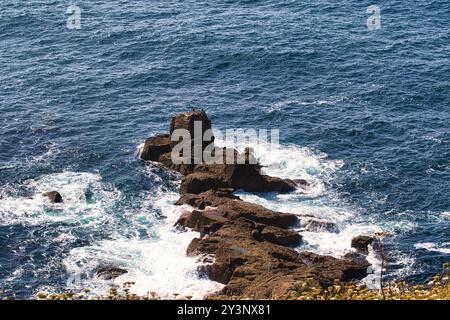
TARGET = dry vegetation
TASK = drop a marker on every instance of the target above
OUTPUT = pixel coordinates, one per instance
(438, 288)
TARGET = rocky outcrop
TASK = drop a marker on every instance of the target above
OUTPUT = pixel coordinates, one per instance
(187, 120)
(199, 182)
(53, 196)
(235, 170)
(356, 257)
(264, 269)
(235, 209)
(249, 245)
(156, 146)
(280, 236)
(252, 247)
(245, 176)
(251, 257)
(210, 198)
(205, 222)
(183, 168)
(361, 243)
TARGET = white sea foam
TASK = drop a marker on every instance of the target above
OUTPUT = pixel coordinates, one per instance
(283, 104)
(155, 264)
(139, 149)
(84, 194)
(293, 162)
(300, 206)
(445, 248)
(150, 248)
(335, 244)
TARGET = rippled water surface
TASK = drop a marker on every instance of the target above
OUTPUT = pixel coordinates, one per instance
(363, 115)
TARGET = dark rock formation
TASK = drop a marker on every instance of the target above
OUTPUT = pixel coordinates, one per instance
(237, 170)
(186, 121)
(204, 222)
(264, 183)
(199, 182)
(235, 209)
(356, 257)
(156, 146)
(197, 124)
(280, 236)
(361, 243)
(262, 269)
(246, 176)
(183, 168)
(248, 242)
(53, 196)
(249, 245)
(109, 273)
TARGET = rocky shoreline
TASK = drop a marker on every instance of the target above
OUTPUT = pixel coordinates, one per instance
(242, 245)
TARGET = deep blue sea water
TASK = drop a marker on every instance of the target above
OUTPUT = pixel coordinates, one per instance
(363, 115)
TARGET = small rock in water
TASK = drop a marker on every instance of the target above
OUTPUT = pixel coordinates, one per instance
(318, 225)
(54, 196)
(110, 273)
(361, 243)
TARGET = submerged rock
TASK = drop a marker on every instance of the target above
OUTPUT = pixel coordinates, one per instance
(318, 225)
(109, 273)
(53, 196)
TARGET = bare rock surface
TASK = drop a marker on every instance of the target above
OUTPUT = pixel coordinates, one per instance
(156, 146)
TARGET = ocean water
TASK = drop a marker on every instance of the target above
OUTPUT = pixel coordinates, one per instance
(363, 115)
